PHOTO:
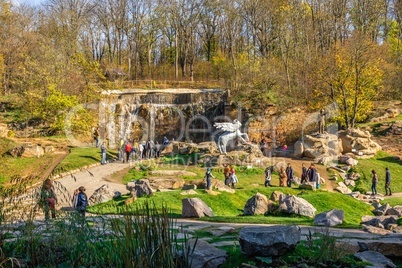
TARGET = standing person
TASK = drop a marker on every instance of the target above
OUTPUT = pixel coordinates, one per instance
(312, 173)
(103, 153)
(282, 176)
(96, 136)
(387, 182)
(303, 174)
(208, 176)
(75, 198)
(158, 148)
(48, 199)
(226, 174)
(233, 177)
(289, 175)
(141, 149)
(267, 177)
(82, 202)
(135, 150)
(128, 149)
(374, 182)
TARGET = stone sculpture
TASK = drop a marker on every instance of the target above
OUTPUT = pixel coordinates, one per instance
(231, 131)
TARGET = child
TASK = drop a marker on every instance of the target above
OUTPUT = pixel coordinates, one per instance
(233, 177)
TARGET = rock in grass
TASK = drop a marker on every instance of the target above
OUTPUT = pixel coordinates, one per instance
(268, 241)
(375, 258)
(332, 217)
(195, 208)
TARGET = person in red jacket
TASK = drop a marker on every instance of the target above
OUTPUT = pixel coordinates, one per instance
(128, 147)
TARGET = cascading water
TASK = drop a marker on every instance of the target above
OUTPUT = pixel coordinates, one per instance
(151, 114)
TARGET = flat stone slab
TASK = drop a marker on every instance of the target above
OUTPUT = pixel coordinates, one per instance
(166, 173)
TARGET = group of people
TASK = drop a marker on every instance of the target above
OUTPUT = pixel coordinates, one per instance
(48, 200)
(374, 182)
(141, 150)
(286, 175)
(228, 172)
(129, 150)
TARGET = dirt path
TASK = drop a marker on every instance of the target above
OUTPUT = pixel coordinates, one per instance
(92, 179)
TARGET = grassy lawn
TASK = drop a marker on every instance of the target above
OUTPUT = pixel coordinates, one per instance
(82, 156)
(379, 163)
(229, 207)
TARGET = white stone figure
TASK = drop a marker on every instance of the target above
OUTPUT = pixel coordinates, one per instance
(231, 131)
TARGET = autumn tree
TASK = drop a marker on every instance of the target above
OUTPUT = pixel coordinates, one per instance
(351, 76)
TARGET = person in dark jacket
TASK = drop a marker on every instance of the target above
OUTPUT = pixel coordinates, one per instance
(312, 173)
(374, 182)
(387, 182)
(289, 175)
(304, 174)
(82, 202)
(208, 176)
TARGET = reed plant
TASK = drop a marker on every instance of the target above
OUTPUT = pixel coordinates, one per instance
(144, 236)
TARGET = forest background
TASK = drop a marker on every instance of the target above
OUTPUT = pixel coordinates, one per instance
(60, 53)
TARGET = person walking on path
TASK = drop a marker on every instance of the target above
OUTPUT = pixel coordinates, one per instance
(48, 199)
(208, 176)
(267, 177)
(289, 175)
(82, 202)
(374, 182)
(387, 182)
(303, 174)
(103, 153)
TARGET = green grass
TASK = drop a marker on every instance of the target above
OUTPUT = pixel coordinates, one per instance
(82, 156)
(379, 163)
(229, 207)
(394, 201)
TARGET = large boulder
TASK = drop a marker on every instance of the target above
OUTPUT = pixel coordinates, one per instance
(166, 183)
(33, 151)
(396, 210)
(332, 217)
(379, 221)
(195, 208)
(375, 258)
(308, 186)
(202, 254)
(381, 211)
(275, 196)
(356, 140)
(16, 151)
(256, 205)
(298, 149)
(140, 188)
(320, 147)
(102, 194)
(296, 205)
(268, 241)
(342, 188)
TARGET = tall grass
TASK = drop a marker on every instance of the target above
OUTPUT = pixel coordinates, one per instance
(143, 237)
